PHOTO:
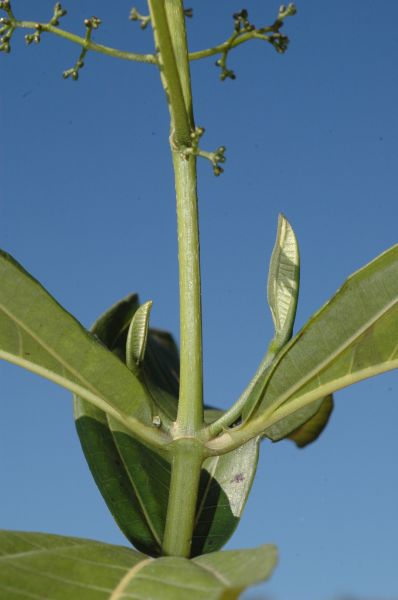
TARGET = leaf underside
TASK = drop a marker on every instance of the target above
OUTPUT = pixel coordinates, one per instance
(40, 566)
(352, 337)
(314, 419)
(38, 334)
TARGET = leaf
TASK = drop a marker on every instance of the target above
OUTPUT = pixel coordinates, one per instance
(314, 418)
(283, 281)
(112, 478)
(137, 336)
(224, 487)
(133, 477)
(354, 336)
(312, 429)
(37, 566)
(283, 289)
(39, 335)
(128, 474)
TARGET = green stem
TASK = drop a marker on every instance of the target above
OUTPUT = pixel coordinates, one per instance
(190, 406)
(229, 44)
(81, 41)
(168, 22)
(181, 511)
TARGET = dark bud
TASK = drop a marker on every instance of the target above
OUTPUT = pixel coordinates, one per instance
(95, 22)
(188, 12)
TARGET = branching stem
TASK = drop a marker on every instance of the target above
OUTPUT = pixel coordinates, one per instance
(88, 44)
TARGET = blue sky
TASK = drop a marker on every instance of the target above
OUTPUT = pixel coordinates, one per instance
(87, 206)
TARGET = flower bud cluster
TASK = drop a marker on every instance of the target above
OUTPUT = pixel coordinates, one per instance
(7, 26)
(137, 16)
(73, 73)
(215, 158)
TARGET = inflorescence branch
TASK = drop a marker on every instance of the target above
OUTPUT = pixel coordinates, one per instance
(90, 24)
(216, 158)
(9, 23)
(244, 31)
(144, 20)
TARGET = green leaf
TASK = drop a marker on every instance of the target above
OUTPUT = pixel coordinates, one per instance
(134, 478)
(354, 336)
(128, 474)
(283, 288)
(38, 565)
(312, 429)
(137, 336)
(123, 499)
(283, 281)
(224, 487)
(39, 335)
(313, 417)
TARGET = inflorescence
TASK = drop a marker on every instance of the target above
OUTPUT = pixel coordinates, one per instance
(244, 30)
(7, 26)
(90, 24)
(144, 20)
(216, 158)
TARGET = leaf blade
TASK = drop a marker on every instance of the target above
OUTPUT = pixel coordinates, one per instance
(114, 457)
(283, 281)
(34, 565)
(38, 334)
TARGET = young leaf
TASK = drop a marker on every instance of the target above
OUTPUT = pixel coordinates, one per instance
(354, 336)
(38, 334)
(283, 281)
(283, 287)
(137, 337)
(39, 565)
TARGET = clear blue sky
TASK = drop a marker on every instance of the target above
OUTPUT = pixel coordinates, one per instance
(87, 206)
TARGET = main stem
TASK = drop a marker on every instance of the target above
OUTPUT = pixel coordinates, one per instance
(168, 22)
(181, 511)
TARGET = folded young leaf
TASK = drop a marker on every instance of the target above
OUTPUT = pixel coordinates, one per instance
(354, 336)
(38, 334)
(283, 289)
(283, 281)
(39, 565)
(137, 336)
